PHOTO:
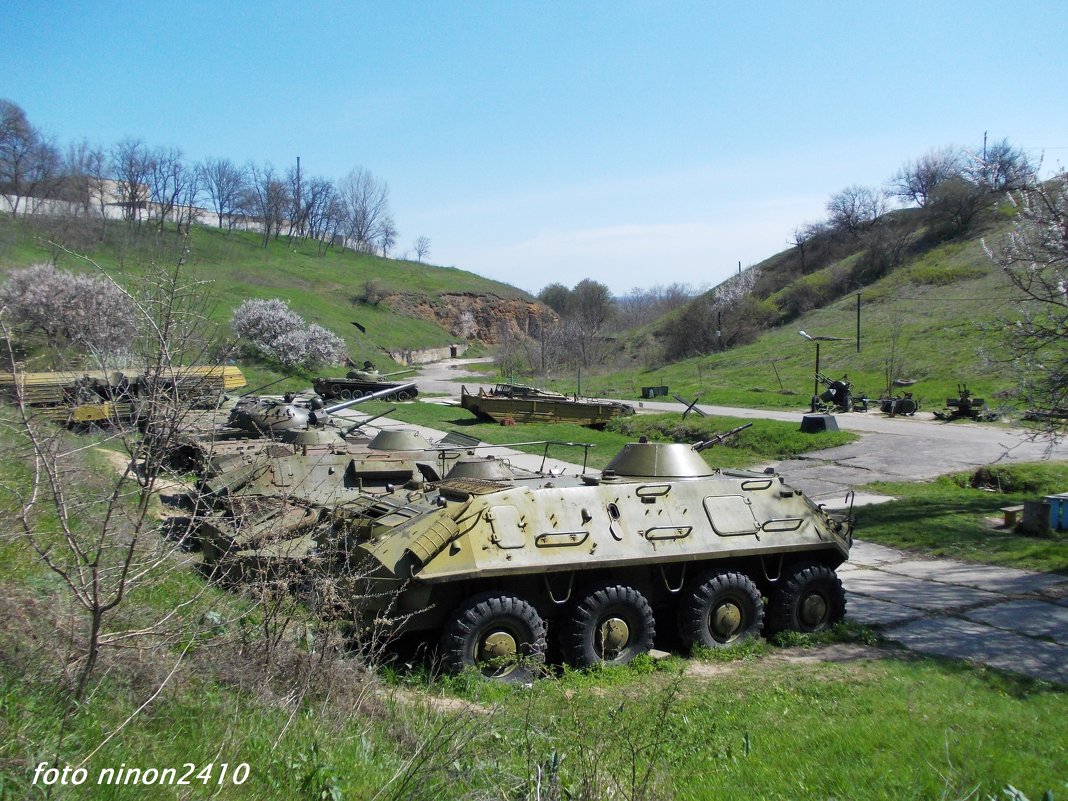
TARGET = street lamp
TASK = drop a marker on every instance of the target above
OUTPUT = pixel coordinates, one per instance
(818, 340)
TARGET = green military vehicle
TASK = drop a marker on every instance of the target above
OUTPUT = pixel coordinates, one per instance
(365, 381)
(496, 566)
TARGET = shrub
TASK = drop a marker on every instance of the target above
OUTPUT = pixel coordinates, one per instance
(276, 331)
(92, 313)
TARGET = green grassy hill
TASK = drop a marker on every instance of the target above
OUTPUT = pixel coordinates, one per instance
(328, 289)
(937, 319)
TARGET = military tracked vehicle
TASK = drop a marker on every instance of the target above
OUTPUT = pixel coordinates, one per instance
(261, 518)
(363, 382)
(659, 538)
(256, 424)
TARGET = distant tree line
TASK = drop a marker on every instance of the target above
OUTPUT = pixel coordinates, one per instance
(160, 185)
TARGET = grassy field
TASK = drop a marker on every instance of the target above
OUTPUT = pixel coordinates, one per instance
(949, 517)
(766, 441)
(245, 683)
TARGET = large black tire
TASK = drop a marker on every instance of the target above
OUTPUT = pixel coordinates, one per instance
(720, 608)
(808, 598)
(498, 634)
(610, 624)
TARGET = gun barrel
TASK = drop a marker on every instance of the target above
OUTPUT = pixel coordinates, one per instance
(382, 393)
(708, 443)
(398, 372)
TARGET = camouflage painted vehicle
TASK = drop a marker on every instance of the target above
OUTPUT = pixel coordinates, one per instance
(494, 567)
(521, 404)
(365, 381)
(256, 424)
(261, 506)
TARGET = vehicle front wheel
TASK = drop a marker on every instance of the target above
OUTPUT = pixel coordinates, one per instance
(610, 624)
(809, 598)
(720, 608)
(500, 635)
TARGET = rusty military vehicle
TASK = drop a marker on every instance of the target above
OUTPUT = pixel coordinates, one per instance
(495, 567)
(96, 396)
(522, 404)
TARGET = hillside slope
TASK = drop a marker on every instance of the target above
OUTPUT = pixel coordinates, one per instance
(936, 318)
(400, 304)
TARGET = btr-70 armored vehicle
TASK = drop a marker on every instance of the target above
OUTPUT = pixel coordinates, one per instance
(497, 566)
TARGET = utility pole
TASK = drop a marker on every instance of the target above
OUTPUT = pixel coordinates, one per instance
(858, 322)
(300, 230)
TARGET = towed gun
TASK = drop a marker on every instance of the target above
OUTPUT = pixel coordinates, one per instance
(716, 440)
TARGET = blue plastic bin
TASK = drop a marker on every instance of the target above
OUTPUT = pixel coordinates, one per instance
(1058, 511)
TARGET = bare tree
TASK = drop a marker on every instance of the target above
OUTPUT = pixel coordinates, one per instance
(915, 181)
(1034, 257)
(97, 531)
(955, 204)
(1002, 167)
(226, 185)
(169, 179)
(855, 209)
(29, 164)
(131, 165)
(367, 206)
(387, 236)
(269, 198)
(421, 247)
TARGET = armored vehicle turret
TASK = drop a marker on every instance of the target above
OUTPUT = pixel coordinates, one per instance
(256, 423)
(493, 567)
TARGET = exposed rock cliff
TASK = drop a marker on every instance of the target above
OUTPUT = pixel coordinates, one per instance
(471, 316)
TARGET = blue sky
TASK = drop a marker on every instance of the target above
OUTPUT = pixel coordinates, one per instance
(630, 142)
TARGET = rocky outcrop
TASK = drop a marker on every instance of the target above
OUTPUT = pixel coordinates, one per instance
(471, 316)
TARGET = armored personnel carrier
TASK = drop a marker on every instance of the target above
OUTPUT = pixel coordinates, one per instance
(259, 507)
(363, 382)
(495, 567)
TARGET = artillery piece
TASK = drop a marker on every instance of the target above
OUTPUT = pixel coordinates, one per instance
(899, 404)
(494, 566)
(964, 406)
(363, 382)
(837, 397)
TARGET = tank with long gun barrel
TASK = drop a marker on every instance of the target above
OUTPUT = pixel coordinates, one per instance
(357, 383)
(255, 423)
